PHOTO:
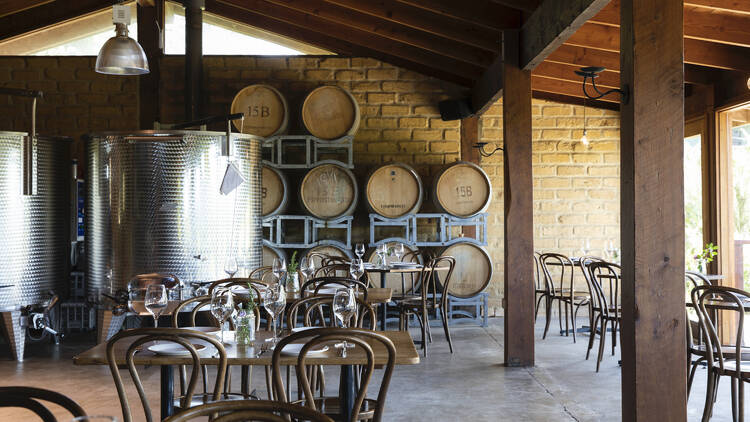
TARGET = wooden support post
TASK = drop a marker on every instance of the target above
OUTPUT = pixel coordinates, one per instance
(150, 21)
(193, 59)
(652, 212)
(519, 211)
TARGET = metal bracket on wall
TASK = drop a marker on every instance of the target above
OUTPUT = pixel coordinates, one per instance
(283, 151)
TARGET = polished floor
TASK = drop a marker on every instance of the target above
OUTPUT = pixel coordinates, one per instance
(468, 385)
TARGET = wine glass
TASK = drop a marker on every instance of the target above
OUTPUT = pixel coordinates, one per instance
(156, 301)
(307, 266)
(382, 251)
(399, 251)
(359, 250)
(278, 268)
(357, 268)
(230, 266)
(222, 306)
(344, 308)
(274, 300)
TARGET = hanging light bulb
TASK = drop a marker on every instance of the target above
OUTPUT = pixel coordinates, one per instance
(121, 55)
(584, 138)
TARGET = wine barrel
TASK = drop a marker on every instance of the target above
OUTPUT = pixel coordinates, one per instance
(274, 191)
(330, 112)
(392, 280)
(463, 190)
(331, 249)
(270, 253)
(394, 190)
(473, 270)
(329, 191)
(265, 109)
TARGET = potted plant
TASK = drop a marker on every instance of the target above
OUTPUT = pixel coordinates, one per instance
(707, 255)
(292, 276)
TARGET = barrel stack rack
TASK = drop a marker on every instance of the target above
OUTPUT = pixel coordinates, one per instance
(459, 309)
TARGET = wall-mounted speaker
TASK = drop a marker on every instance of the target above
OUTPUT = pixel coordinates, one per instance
(455, 109)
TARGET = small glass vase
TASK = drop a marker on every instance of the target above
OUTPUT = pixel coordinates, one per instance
(702, 266)
(244, 326)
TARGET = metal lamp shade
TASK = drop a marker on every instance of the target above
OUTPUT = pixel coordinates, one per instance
(122, 55)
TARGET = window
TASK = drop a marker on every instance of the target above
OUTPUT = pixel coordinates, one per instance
(84, 36)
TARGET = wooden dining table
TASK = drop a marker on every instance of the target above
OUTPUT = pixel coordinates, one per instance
(406, 354)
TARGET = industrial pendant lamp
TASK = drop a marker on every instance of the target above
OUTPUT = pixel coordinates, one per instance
(121, 55)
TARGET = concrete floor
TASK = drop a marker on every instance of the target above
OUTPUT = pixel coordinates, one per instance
(470, 384)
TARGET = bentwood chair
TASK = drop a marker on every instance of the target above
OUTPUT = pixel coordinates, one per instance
(583, 263)
(260, 273)
(696, 343)
(735, 365)
(540, 285)
(433, 297)
(185, 338)
(605, 278)
(562, 290)
(30, 398)
(364, 408)
(332, 270)
(251, 410)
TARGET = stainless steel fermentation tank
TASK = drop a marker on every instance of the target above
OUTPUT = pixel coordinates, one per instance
(154, 206)
(34, 225)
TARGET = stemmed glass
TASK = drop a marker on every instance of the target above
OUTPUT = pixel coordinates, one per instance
(274, 300)
(399, 251)
(344, 308)
(230, 266)
(382, 251)
(307, 266)
(222, 306)
(357, 268)
(156, 301)
(278, 268)
(359, 250)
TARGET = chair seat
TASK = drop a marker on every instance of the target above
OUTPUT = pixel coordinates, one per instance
(330, 407)
(730, 367)
(728, 351)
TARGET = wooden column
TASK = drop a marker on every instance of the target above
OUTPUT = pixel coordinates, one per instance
(519, 212)
(150, 20)
(652, 212)
(194, 59)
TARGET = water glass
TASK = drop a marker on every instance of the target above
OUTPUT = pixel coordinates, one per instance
(398, 250)
(222, 306)
(357, 268)
(359, 250)
(278, 268)
(231, 267)
(382, 251)
(307, 267)
(344, 308)
(156, 301)
(274, 300)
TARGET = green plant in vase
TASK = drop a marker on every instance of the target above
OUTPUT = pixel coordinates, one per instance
(707, 255)
(292, 276)
(244, 319)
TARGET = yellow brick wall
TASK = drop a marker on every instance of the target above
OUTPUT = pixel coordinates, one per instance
(576, 188)
(576, 193)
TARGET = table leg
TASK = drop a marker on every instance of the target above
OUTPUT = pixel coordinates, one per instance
(384, 305)
(346, 391)
(167, 391)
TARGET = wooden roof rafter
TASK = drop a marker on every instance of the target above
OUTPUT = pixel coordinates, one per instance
(48, 14)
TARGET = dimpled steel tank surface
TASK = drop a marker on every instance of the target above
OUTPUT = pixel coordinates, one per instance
(35, 228)
(153, 205)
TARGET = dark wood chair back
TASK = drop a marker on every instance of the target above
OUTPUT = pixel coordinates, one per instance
(30, 397)
(434, 285)
(733, 301)
(363, 341)
(552, 264)
(317, 311)
(333, 270)
(258, 273)
(178, 336)
(250, 410)
(313, 286)
(583, 263)
(605, 279)
(538, 277)
(694, 333)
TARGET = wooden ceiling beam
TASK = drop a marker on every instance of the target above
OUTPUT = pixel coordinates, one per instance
(478, 12)
(48, 14)
(423, 20)
(737, 6)
(247, 14)
(8, 7)
(524, 5)
(698, 23)
(545, 30)
(698, 52)
(390, 30)
(552, 23)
